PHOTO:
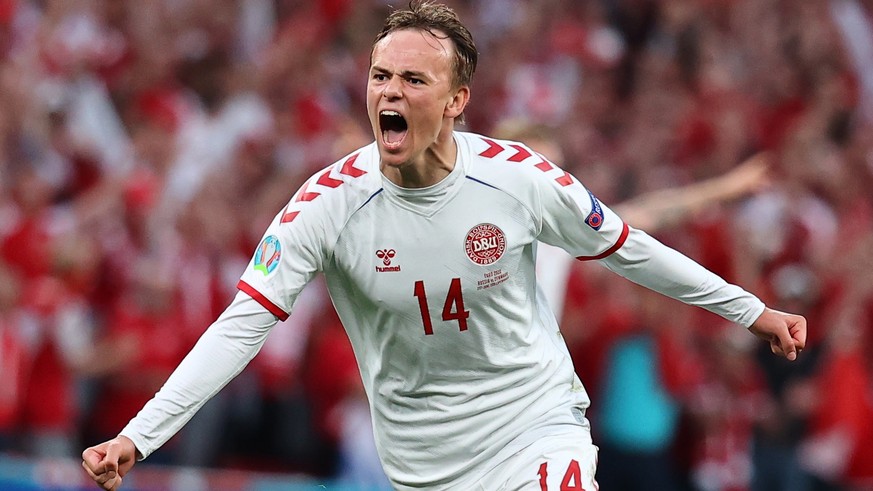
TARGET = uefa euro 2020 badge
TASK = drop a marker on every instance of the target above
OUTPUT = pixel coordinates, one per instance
(268, 254)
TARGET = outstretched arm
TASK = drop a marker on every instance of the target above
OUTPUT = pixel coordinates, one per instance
(647, 262)
(220, 354)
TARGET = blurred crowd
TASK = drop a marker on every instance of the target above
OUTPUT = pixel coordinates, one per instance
(146, 146)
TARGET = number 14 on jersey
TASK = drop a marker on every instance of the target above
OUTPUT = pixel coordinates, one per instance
(453, 308)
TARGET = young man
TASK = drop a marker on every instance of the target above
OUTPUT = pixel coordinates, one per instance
(427, 240)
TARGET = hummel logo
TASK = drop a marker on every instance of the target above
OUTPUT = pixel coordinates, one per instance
(386, 255)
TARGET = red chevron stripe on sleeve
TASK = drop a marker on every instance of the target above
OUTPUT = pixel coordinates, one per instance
(348, 168)
(520, 155)
(493, 149)
(325, 180)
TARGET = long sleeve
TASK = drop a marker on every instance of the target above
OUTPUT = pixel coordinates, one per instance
(649, 263)
(573, 219)
(222, 352)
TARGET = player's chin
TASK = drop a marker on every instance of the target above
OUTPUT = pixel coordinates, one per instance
(394, 157)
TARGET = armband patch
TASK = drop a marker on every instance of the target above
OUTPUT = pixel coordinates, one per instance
(268, 255)
(595, 217)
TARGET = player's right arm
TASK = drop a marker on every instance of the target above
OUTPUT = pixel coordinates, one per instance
(219, 355)
(291, 252)
(288, 257)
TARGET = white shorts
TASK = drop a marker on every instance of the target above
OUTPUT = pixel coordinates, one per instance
(556, 462)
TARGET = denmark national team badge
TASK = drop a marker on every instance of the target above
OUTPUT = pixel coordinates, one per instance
(485, 244)
(268, 254)
(595, 218)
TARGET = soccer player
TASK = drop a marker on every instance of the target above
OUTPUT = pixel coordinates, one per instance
(427, 241)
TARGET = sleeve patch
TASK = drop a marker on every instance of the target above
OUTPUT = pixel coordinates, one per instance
(268, 255)
(595, 217)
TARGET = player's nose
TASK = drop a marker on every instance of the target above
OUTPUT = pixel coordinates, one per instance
(393, 88)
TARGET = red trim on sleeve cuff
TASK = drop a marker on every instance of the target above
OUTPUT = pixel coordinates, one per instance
(264, 301)
(621, 238)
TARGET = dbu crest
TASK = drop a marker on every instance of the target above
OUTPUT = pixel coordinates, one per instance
(485, 243)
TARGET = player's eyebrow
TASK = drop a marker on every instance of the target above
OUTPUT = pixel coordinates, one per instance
(403, 73)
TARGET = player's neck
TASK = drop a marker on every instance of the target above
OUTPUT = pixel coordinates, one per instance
(429, 167)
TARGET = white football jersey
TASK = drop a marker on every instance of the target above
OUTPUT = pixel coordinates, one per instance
(459, 353)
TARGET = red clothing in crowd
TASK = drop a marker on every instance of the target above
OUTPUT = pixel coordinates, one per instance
(153, 342)
(847, 407)
(13, 363)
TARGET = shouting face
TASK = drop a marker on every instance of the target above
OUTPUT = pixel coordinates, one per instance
(411, 95)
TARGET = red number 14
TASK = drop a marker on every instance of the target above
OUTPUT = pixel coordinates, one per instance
(453, 309)
(572, 478)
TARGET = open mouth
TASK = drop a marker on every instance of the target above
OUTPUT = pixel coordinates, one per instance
(393, 127)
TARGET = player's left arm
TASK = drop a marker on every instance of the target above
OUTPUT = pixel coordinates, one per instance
(649, 263)
(573, 218)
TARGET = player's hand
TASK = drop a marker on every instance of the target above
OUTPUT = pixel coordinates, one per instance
(108, 462)
(786, 333)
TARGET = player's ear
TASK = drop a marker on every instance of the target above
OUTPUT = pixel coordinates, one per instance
(458, 102)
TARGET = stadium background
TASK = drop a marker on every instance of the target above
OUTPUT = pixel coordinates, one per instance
(144, 147)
